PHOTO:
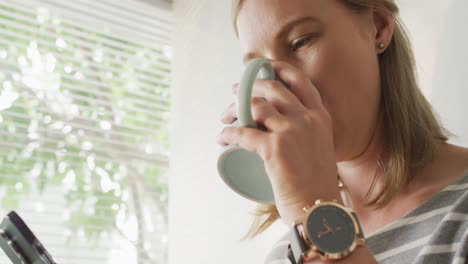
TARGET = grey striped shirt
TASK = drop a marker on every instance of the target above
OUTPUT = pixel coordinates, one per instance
(434, 233)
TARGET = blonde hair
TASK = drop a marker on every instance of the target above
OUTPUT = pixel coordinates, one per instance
(411, 129)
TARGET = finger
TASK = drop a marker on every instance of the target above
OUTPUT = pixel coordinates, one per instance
(250, 139)
(276, 93)
(299, 84)
(264, 113)
(235, 87)
(230, 115)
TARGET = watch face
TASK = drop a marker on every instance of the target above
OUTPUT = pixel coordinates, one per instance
(331, 229)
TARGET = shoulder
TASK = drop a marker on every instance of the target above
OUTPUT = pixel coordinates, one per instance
(437, 230)
(450, 164)
(456, 170)
(458, 157)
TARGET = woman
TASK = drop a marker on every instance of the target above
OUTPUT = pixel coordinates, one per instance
(353, 109)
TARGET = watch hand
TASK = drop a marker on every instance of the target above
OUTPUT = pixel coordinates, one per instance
(328, 230)
(325, 223)
(323, 233)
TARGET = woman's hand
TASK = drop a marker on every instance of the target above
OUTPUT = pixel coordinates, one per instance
(297, 145)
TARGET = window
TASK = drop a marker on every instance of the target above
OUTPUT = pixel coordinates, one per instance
(84, 109)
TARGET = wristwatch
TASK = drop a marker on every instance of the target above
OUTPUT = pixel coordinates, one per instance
(329, 231)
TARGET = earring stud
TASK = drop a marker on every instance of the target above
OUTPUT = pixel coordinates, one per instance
(381, 45)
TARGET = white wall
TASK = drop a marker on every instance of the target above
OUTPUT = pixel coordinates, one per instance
(440, 39)
(207, 219)
(450, 92)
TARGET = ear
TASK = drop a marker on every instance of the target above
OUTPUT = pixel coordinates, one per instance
(384, 25)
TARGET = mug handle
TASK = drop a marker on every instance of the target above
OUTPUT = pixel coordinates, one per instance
(261, 68)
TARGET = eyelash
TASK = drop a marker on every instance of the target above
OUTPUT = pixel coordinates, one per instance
(301, 43)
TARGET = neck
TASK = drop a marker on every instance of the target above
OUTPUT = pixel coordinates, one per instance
(359, 173)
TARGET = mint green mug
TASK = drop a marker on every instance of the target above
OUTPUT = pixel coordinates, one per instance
(244, 171)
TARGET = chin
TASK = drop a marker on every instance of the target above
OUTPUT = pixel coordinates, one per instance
(347, 150)
(341, 151)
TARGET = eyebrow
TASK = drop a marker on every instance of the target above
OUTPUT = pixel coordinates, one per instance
(291, 24)
(285, 29)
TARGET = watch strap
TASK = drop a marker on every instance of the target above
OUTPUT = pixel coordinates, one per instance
(297, 246)
(291, 255)
(361, 233)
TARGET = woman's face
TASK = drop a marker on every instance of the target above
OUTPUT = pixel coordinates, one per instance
(334, 46)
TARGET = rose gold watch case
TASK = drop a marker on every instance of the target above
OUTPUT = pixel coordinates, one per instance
(314, 251)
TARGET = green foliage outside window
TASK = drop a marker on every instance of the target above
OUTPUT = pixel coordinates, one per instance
(86, 112)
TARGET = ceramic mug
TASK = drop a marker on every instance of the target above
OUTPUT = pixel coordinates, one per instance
(241, 170)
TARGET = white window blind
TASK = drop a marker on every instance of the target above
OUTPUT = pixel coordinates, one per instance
(84, 108)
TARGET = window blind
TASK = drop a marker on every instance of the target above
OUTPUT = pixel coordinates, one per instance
(84, 111)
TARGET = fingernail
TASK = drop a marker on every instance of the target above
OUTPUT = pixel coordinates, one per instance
(222, 117)
(220, 141)
(235, 87)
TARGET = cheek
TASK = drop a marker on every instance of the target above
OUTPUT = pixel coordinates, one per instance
(348, 81)
(342, 73)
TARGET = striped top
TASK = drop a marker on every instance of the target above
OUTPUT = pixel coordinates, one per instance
(436, 232)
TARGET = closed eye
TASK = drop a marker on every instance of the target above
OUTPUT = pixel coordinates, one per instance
(301, 42)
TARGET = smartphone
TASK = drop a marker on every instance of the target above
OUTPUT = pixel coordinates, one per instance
(20, 244)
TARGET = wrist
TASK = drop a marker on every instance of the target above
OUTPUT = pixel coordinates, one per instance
(298, 211)
(329, 231)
